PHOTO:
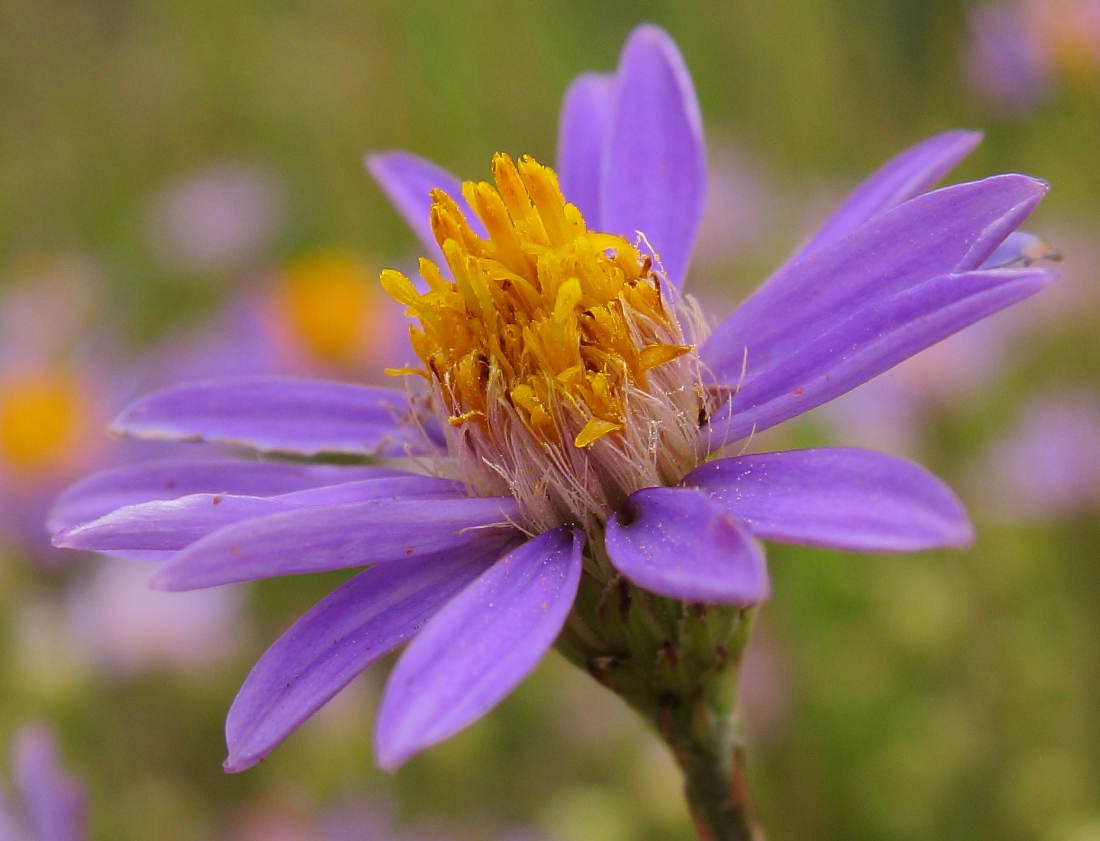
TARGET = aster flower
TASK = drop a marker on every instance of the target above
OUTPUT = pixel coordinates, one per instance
(1019, 49)
(1047, 466)
(325, 315)
(50, 804)
(321, 314)
(217, 219)
(1005, 62)
(117, 624)
(52, 406)
(560, 484)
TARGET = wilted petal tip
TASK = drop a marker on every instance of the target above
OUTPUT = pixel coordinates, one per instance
(60, 540)
(1037, 186)
(236, 764)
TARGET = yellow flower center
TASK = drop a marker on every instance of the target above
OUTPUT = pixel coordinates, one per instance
(553, 348)
(40, 420)
(1068, 30)
(327, 302)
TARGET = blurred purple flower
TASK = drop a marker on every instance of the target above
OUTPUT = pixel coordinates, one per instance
(1048, 465)
(53, 395)
(58, 389)
(49, 803)
(482, 567)
(1005, 62)
(325, 315)
(122, 626)
(217, 219)
(61, 380)
(321, 315)
(739, 208)
(1018, 48)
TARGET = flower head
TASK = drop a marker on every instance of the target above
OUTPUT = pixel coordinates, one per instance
(566, 376)
(327, 314)
(558, 485)
(52, 400)
(40, 414)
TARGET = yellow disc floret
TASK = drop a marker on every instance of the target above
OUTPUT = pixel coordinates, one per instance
(327, 303)
(553, 348)
(40, 418)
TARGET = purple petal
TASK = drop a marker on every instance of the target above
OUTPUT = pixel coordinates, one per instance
(172, 525)
(408, 182)
(337, 537)
(900, 179)
(655, 171)
(110, 490)
(276, 414)
(679, 543)
(950, 231)
(837, 498)
(870, 340)
(345, 632)
(54, 801)
(479, 647)
(584, 127)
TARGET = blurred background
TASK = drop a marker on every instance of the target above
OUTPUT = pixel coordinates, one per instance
(182, 195)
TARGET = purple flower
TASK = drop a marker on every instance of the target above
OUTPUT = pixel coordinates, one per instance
(325, 315)
(1019, 49)
(575, 398)
(50, 804)
(1005, 61)
(119, 625)
(1048, 464)
(219, 218)
(54, 395)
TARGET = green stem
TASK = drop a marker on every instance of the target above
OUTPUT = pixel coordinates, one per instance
(707, 747)
(676, 664)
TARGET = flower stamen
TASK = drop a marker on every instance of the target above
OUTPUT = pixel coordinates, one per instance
(549, 338)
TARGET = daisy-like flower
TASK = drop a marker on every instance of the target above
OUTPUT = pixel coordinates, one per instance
(560, 484)
(325, 315)
(52, 396)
